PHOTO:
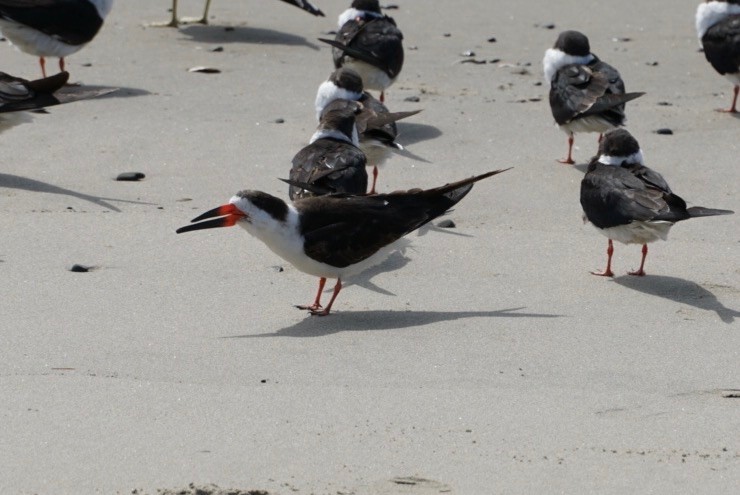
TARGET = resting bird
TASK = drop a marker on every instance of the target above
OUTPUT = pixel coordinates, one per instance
(52, 28)
(370, 43)
(175, 21)
(332, 162)
(336, 235)
(586, 94)
(378, 139)
(718, 27)
(627, 201)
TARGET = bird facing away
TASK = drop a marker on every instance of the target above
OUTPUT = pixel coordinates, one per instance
(176, 21)
(586, 94)
(332, 162)
(336, 235)
(17, 96)
(52, 28)
(629, 202)
(378, 139)
(718, 28)
(370, 43)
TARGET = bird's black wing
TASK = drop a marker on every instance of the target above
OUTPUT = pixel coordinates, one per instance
(722, 45)
(71, 21)
(618, 195)
(333, 166)
(376, 41)
(344, 230)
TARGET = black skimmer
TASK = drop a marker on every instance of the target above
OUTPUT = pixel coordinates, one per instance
(378, 140)
(586, 94)
(175, 21)
(332, 162)
(335, 235)
(718, 27)
(17, 96)
(627, 201)
(52, 28)
(370, 43)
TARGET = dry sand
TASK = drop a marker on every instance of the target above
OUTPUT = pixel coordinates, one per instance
(485, 360)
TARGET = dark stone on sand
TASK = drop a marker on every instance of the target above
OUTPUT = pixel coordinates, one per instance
(130, 176)
(413, 99)
(280, 121)
(79, 268)
(446, 224)
(664, 131)
(491, 40)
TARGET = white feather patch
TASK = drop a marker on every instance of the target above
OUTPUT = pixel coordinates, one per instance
(350, 14)
(329, 133)
(618, 160)
(639, 232)
(556, 59)
(710, 13)
(328, 92)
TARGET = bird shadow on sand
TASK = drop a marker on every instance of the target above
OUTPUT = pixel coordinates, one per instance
(681, 291)
(360, 321)
(114, 91)
(411, 133)
(15, 182)
(243, 34)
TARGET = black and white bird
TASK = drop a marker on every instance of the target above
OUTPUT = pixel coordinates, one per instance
(332, 162)
(627, 201)
(52, 28)
(370, 43)
(586, 94)
(718, 28)
(378, 138)
(176, 21)
(336, 235)
(19, 97)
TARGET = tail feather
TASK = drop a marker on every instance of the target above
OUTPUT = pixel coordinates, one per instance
(700, 211)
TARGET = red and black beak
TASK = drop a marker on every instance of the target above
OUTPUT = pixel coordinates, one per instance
(229, 215)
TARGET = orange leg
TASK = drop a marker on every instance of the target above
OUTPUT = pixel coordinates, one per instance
(608, 272)
(42, 63)
(733, 107)
(375, 179)
(382, 97)
(61, 64)
(317, 303)
(326, 310)
(640, 272)
(569, 160)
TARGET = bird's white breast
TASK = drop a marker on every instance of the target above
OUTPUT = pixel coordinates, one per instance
(639, 232)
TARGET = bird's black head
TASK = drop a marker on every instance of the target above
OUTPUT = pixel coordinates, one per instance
(618, 142)
(348, 79)
(340, 115)
(573, 43)
(367, 5)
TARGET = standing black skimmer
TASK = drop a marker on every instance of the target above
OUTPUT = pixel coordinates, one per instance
(586, 94)
(378, 139)
(52, 28)
(17, 96)
(333, 161)
(370, 43)
(718, 27)
(175, 21)
(627, 201)
(336, 235)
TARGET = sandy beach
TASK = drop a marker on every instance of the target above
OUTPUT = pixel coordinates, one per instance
(483, 359)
